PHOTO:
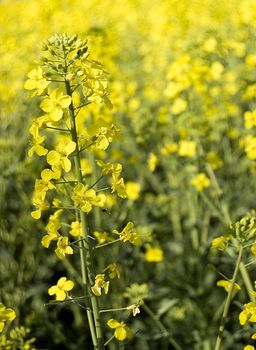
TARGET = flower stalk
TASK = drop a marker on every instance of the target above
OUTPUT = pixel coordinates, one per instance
(228, 300)
(85, 251)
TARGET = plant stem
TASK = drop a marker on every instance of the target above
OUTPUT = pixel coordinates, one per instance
(226, 220)
(161, 327)
(228, 300)
(108, 243)
(85, 252)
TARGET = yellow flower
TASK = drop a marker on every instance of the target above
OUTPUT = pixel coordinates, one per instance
(250, 92)
(52, 235)
(128, 234)
(52, 229)
(152, 162)
(99, 284)
(103, 132)
(248, 314)
(6, 314)
(86, 167)
(153, 254)
(250, 119)
(76, 229)
(251, 61)
(60, 290)
(63, 247)
(220, 242)
(37, 124)
(95, 86)
(112, 270)
(210, 44)
(102, 237)
(216, 70)
(122, 331)
(179, 106)
(59, 158)
(36, 81)
(200, 182)
(187, 148)
(39, 202)
(249, 347)
(44, 184)
(227, 284)
(110, 168)
(250, 146)
(85, 198)
(118, 186)
(55, 104)
(169, 148)
(37, 147)
(132, 190)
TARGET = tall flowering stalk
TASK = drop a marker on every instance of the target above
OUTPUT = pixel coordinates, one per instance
(241, 236)
(67, 81)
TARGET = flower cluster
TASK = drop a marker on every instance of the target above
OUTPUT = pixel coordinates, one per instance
(85, 198)
(6, 314)
(128, 234)
(67, 80)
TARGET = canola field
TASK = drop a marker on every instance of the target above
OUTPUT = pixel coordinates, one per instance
(127, 175)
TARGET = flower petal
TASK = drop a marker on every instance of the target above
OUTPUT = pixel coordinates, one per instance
(65, 101)
(68, 285)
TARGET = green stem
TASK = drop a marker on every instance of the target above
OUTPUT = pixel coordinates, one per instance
(214, 208)
(109, 340)
(112, 310)
(85, 252)
(108, 243)
(59, 129)
(247, 281)
(226, 220)
(161, 327)
(228, 300)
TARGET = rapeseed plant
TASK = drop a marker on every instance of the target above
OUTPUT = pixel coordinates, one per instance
(241, 236)
(183, 107)
(65, 69)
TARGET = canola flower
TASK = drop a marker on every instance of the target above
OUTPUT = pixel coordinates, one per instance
(59, 158)
(153, 254)
(36, 81)
(132, 190)
(113, 271)
(100, 283)
(200, 182)
(187, 148)
(86, 198)
(221, 242)
(80, 82)
(186, 71)
(248, 314)
(61, 288)
(55, 104)
(122, 331)
(76, 229)
(152, 162)
(63, 247)
(128, 234)
(227, 285)
(6, 314)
